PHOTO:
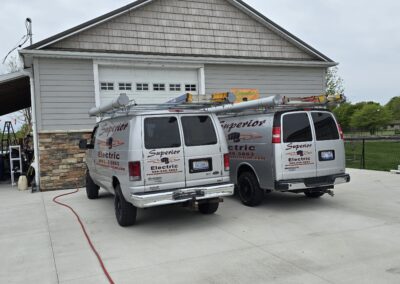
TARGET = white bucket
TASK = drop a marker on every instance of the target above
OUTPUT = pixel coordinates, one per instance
(22, 183)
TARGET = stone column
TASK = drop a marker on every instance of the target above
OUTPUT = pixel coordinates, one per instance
(62, 163)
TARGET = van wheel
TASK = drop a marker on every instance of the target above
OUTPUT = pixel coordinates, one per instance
(209, 207)
(313, 193)
(250, 192)
(124, 211)
(92, 189)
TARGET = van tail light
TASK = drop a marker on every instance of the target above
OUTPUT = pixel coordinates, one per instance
(135, 171)
(276, 135)
(226, 162)
(341, 132)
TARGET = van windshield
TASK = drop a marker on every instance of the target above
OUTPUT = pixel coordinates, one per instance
(198, 130)
(325, 126)
(161, 132)
(296, 128)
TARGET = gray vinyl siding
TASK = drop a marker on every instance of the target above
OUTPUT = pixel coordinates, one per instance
(205, 27)
(66, 92)
(286, 81)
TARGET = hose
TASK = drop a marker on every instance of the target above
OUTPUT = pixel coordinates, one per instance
(106, 273)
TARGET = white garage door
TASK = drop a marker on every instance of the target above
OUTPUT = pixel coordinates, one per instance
(146, 85)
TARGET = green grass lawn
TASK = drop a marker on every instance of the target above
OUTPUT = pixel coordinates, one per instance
(379, 155)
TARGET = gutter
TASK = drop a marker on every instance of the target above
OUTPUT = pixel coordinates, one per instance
(172, 58)
(36, 164)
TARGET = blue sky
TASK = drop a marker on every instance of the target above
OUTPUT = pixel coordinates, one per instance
(363, 36)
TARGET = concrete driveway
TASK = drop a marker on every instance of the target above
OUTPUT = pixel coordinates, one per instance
(351, 238)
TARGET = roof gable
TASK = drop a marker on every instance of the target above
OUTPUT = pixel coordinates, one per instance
(221, 28)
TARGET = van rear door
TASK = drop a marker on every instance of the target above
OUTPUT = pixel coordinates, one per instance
(164, 166)
(298, 146)
(329, 145)
(203, 156)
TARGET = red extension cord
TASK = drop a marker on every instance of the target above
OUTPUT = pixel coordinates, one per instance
(86, 234)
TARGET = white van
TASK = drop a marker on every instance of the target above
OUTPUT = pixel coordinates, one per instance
(154, 158)
(299, 151)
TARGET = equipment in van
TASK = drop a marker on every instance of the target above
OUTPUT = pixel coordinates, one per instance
(154, 155)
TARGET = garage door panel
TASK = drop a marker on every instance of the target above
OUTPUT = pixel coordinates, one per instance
(147, 85)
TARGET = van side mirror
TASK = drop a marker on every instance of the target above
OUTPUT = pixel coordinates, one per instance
(83, 145)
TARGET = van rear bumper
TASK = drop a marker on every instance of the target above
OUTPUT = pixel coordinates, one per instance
(152, 199)
(304, 183)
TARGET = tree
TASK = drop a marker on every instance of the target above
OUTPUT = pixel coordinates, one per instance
(334, 84)
(394, 107)
(13, 64)
(343, 113)
(371, 116)
(25, 116)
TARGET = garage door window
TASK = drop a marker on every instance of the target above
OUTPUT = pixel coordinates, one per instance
(174, 87)
(158, 87)
(107, 86)
(161, 132)
(190, 88)
(142, 87)
(125, 86)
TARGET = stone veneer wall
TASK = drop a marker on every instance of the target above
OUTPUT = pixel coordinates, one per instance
(62, 163)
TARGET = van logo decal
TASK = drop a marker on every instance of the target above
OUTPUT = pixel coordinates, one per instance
(296, 147)
(161, 153)
(246, 124)
(105, 129)
(236, 137)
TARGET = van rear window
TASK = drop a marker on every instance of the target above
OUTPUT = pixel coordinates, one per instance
(161, 132)
(325, 126)
(296, 128)
(198, 130)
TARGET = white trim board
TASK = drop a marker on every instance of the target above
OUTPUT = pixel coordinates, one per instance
(172, 59)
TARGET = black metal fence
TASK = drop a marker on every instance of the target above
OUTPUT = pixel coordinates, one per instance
(373, 153)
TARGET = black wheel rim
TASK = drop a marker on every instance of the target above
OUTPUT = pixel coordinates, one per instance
(245, 190)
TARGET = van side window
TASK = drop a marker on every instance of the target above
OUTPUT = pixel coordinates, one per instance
(325, 126)
(198, 130)
(161, 132)
(296, 128)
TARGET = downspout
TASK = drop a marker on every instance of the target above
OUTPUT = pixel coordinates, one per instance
(36, 164)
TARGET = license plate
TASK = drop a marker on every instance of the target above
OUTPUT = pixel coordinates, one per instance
(200, 165)
(327, 155)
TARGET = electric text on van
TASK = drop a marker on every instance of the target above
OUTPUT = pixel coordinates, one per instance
(289, 151)
(149, 159)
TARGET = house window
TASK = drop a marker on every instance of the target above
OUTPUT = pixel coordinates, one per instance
(190, 88)
(107, 86)
(158, 87)
(125, 86)
(142, 87)
(175, 87)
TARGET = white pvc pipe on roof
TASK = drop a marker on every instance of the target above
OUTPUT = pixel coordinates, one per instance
(264, 102)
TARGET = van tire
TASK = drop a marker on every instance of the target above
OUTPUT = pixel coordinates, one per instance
(249, 190)
(209, 207)
(92, 189)
(313, 193)
(125, 212)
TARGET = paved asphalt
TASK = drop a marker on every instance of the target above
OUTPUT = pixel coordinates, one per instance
(351, 238)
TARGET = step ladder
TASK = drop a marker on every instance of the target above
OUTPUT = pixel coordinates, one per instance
(8, 137)
(13, 161)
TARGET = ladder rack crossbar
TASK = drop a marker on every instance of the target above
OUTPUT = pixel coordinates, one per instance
(123, 106)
